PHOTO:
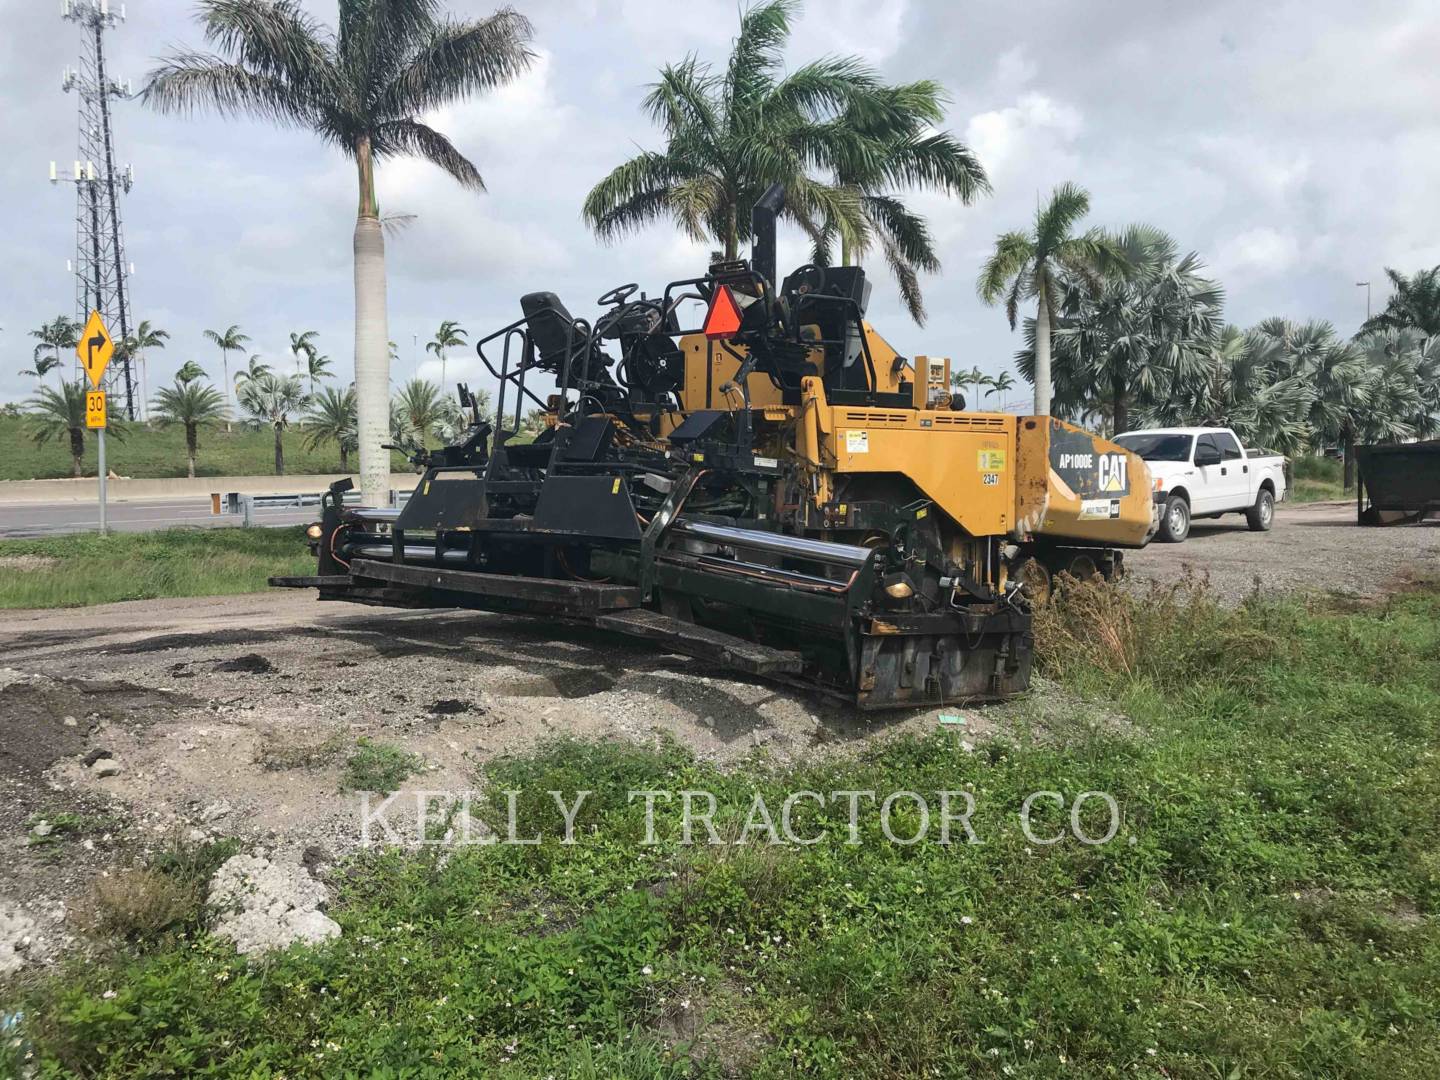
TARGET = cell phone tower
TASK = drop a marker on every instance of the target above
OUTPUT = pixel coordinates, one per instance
(100, 267)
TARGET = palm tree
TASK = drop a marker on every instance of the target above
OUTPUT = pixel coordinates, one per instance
(966, 379)
(302, 344)
(230, 340)
(1243, 383)
(145, 338)
(1125, 339)
(449, 335)
(269, 400)
(1335, 371)
(189, 404)
(316, 367)
(43, 366)
(60, 333)
(253, 369)
(1415, 303)
(730, 135)
(362, 88)
(189, 372)
(331, 418)
(60, 414)
(897, 147)
(999, 385)
(1025, 266)
(421, 407)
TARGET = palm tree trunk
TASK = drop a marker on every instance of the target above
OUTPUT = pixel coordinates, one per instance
(279, 452)
(1121, 408)
(77, 452)
(732, 235)
(191, 446)
(1349, 474)
(1042, 355)
(225, 371)
(372, 352)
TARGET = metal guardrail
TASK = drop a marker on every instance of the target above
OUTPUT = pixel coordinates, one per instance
(251, 507)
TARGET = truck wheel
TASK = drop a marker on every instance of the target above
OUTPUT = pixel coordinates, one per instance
(1262, 515)
(1175, 520)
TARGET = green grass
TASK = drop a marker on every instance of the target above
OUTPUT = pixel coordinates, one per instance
(1268, 908)
(146, 453)
(378, 767)
(73, 571)
(1318, 479)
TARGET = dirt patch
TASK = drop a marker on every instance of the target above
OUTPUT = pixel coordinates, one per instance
(249, 664)
(166, 642)
(453, 707)
(559, 683)
(28, 564)
(711, 1024)
(43, 720)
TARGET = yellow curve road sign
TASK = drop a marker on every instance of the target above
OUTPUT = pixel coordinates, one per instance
(95, 348)
(94, 409)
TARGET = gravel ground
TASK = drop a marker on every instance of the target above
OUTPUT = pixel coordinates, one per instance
(1314, 547)
(231, 716)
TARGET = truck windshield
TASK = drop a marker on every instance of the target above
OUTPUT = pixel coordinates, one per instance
(1158, 447)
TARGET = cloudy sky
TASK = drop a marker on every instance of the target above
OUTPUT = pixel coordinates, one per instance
(1295, 145)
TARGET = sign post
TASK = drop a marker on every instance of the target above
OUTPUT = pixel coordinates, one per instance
(95, 348)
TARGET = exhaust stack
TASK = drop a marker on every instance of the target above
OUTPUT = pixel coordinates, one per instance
(762, 226)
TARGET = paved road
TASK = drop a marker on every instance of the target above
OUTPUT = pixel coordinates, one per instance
(138, 515)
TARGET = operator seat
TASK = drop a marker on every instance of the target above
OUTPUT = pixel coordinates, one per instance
(552, 329)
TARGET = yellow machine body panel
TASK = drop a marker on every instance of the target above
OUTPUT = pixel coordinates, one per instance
(993, 474)
(1074, 485)
(710, 365)
(963, 462)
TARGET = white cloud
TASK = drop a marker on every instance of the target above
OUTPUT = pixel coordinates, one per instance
(1259, 252)
(1005, 139)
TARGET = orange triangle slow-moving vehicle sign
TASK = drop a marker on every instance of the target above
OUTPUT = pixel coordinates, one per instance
(723, 318)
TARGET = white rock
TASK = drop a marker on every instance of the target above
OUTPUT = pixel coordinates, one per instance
(107, 766)
(17, 932)
(264, 905)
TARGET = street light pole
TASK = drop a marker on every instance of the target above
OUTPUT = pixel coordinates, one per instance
(1367, 297)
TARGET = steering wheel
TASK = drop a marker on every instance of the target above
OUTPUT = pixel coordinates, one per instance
(618, 295)
(810, 279)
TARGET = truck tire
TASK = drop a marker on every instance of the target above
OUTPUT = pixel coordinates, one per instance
(1174, 520)
(1262, 515)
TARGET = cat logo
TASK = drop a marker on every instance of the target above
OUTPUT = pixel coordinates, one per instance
(1114, 473)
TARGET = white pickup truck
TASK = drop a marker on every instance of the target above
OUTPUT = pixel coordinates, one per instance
(1205, 472)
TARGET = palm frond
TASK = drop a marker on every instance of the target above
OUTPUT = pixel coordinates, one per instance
(635, 193)
(757, 50)
(1011, 260)
(420, 140)
(191, 81)
(682, 100)
(458, 59)
(1055, 220)
(934, 160)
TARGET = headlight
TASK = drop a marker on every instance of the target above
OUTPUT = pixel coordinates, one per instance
(313, 531)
